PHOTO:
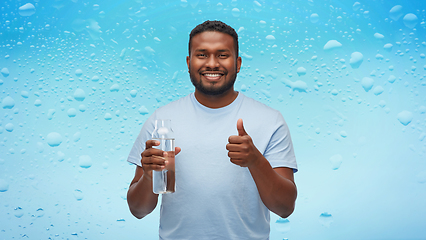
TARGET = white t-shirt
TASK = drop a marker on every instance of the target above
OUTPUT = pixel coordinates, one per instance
(214, 198)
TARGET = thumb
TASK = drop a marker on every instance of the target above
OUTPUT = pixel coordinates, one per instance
(240, 128)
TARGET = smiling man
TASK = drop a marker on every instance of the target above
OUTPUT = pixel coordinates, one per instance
(229, 173)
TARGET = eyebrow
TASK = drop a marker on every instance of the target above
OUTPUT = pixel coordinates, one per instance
(205, 50)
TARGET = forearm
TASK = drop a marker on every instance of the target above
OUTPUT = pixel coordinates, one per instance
(140, 197)
(277, 192)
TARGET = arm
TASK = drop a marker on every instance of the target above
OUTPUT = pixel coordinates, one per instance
(140, 197)
(276, 186)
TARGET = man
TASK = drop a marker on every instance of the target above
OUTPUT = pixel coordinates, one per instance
(225, 183)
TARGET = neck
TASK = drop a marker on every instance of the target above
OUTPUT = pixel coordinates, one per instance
(216, 101)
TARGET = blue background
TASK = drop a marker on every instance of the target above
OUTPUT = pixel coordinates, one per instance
(79, 78)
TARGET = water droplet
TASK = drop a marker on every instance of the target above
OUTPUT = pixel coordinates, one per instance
(336, 161)
(79, 94)
(367, 83)
(388, 47)
(5, 72)
(301, 71)
(78, 72)
(4, 186)
(25, 94)
(356, 59)
(54, 139)
(18, 212)
(422, 109)
(325, 219)
(133, 93)
(391, 79)
(405, 117)
(82, 108)
(396, 12)
(410, 20)
(61, 156)
(27, 10)
(235, 12)
(114, 88)
(72, 112)
(8, 103)
(85, 161)
(378, 90)
(343, 134)
(108, 116)
(332, 44)
(314, 18)
(95, 78)
(356, 6)
(143, 110)
(78, 194)
(379, 36)
(37, 103)
(282, 225)
(9, 127)
(40, 212)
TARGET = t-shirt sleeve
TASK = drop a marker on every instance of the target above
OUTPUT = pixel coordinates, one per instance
(279, 151)
(139, 144)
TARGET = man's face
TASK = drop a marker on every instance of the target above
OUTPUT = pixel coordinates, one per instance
(213, 63)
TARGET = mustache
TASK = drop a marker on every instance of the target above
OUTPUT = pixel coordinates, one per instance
(209, 70)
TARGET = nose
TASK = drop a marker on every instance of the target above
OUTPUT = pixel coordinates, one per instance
(212, 62)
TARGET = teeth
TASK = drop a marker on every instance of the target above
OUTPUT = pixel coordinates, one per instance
(212, 75)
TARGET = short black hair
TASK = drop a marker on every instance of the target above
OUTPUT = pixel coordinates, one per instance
(213, 26)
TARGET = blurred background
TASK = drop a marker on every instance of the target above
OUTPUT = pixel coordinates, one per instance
(79, 78)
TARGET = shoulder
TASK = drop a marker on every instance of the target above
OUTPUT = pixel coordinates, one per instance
(258, 107)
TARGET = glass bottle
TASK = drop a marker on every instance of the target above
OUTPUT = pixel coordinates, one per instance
(163, 181)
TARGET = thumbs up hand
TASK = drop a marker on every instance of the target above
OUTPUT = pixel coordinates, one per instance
(241, 149)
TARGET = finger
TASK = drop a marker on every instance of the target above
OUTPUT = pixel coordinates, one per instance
(236, 139)
(240, 128)
(151, 143)
(151, 152)
(177, 150)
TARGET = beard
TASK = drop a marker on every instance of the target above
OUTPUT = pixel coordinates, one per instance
(213, 90)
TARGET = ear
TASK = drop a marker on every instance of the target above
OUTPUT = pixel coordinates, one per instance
(239, 62)
(187, 62)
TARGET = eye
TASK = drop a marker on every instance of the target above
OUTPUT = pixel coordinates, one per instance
(201, 55)
(223, 55)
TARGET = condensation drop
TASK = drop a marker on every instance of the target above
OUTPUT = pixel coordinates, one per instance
(270, 39)
(54, 139)
(391, 79)
(396, 12)
(314, 18)
(108, 116)
(5, 72)
(301, 71)
(85, 161)
(235, 12)
(8, 103)
(367, 83)
(325, 219)
(18, 212)
(4, 186)
(78, 72)
(143, 110)
(72, 112)
(405, 117)
(410, 20)
(27, 10)
(379, 36)
(9, 127)
(378, 90)
(332, 44)
(78, 194)
(336, 161)
(388, 47)
(79, 94)
(133, 93)
(282, 225)
(356, 59)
